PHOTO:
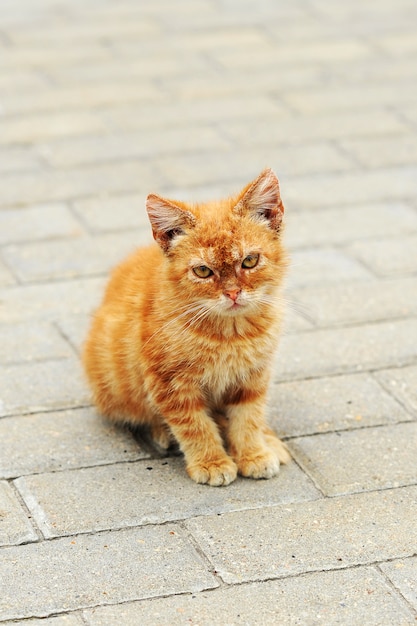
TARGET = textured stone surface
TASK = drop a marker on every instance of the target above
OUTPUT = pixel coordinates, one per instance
(56, 259)
(403, 574)
(402, 383)
(338, 597)
(320, 535)
(387, 257)
(15, 527)
(358, 301)
(38, 222)
(349, 223)
(370, 458)
(55, 441)
(334, 403)
(31, 342)
(85, 571)
(44, 386)
(103, 103)
(150, 492)
(350, 349)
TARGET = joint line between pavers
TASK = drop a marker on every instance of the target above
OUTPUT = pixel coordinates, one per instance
(30, 516)
(396, 590)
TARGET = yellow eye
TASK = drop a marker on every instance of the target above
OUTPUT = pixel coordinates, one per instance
(202, 271)
(250, 261)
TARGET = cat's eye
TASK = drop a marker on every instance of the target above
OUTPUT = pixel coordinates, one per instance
(250, 261)
(202, 271)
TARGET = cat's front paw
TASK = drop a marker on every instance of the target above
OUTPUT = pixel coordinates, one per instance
(259, 465)
(214, 473)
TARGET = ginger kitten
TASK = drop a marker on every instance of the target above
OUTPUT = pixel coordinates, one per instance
(184, 338)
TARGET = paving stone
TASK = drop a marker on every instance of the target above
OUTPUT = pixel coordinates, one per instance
(86, 571)
(30, 128)
(70, 258)
(383, 151)
(17, 159)
(210, 167)
(231, 83)
(302, 128)
(137, 494)
(51, 301)
(315, 52)
(138, 68)
(403, 575)
(43, 386)
(402, 384)
(31, 342)
(388, 257)
(37, 222)
(323, 265)
(48, 186)
(182, 112)
(348, 223)
(339, 597)
(15, 527)
(350, 97)
(350, 349)
(79, 97)
(75, 328)
(321, 405)
(122, 212)
(6, 277)
(82, 31)
(320, 535)
(49, 442)
(41, 56)
(350, 187)
(111, 147)
(357, 301)
(361, 460)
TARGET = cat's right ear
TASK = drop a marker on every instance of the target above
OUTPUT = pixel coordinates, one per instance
(168, 220)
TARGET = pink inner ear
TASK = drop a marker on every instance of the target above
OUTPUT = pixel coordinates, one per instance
(167, 219)
(262, 198)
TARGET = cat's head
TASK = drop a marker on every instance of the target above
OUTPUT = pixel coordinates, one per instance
(225, 257)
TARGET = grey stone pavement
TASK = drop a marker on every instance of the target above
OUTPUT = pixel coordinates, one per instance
(102, 102)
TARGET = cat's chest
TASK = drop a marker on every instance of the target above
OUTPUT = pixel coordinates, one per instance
(231, 364)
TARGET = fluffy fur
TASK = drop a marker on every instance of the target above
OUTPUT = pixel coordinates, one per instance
(184, 338)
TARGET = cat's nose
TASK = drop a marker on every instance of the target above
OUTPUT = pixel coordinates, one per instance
(233, 294)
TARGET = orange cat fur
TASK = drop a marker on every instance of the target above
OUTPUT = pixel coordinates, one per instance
(184, 338)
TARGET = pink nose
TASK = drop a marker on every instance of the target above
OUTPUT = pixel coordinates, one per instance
(233, 294)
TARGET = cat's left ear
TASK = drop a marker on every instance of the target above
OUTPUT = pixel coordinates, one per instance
(168, 220)
(262, 199)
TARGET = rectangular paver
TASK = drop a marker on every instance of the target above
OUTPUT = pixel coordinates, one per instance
(137, 494)
(349, 223)
(402, 384)
(358, 301)
(338, 597)
(43, 386)
(49, 301)
(62, 440)
(326, 404)
(361, 460)
(320, 535)
(350, 349)
(38, 222)
(71, 258)
(34, 341)
(403, 574)
(85, 571)
(15, 527)
(388, 257)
